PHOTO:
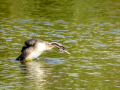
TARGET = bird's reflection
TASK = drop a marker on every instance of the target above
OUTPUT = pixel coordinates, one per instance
(34, 73)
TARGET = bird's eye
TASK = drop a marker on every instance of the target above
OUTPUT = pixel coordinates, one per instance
(63, 48)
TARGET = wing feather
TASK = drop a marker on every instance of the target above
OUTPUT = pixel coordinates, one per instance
(32, 42)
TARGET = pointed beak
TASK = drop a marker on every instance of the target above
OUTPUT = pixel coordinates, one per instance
(66, 51)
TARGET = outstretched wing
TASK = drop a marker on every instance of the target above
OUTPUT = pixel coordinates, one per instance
(24, 47)
(32, 42)
(28, 44)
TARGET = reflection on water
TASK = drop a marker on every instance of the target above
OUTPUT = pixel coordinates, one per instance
(90, 31)
(33, 74)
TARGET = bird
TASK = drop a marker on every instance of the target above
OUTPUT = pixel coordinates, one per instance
(34, 47)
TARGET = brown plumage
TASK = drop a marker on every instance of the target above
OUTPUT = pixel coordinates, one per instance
(34, 47)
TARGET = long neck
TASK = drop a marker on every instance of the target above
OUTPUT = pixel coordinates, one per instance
(52, 45)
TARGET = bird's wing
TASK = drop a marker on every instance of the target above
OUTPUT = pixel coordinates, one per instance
(28, 44)
(32, 42)
(24, 47)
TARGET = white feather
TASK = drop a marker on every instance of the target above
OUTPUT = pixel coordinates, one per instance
(40, 47)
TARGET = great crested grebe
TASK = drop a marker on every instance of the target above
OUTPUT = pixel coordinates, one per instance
(34, 47)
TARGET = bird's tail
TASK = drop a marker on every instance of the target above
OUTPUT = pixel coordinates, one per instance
(19, 58)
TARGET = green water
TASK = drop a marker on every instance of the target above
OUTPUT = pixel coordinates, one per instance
(89, 29)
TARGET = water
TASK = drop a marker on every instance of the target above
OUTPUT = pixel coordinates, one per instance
(90, 31)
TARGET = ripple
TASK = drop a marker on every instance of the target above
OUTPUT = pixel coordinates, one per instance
(93, 41)
(73, 74)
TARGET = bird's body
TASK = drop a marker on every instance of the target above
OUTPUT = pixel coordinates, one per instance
(34, 47)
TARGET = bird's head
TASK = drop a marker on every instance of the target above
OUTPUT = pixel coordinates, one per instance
(62, 49)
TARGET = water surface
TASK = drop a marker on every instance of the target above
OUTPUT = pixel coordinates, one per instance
(90, 31)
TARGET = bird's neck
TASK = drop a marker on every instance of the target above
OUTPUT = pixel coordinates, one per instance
(52, 45)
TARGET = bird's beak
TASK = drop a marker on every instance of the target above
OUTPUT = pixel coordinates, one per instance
(66, 51)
